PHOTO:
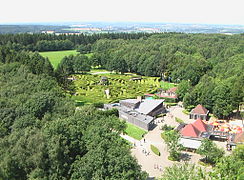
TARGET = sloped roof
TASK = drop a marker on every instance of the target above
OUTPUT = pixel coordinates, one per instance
(239, 138)
(190, 130)
(173, 89)
(190, 143)
(131, 101)
(199, 109)
(200, 125)
(147, 105)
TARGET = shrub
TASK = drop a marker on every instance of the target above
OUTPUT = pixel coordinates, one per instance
(98, 105)
(155, 150)
(161, 115)
(186, 112)
(166, 127)
(171, 104)
(179, 120)
(169, 100)
(111, 112)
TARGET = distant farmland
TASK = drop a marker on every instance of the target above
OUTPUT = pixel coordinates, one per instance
(56, 56)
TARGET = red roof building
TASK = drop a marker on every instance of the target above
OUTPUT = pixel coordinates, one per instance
(190, 131)
(200, 125)
(199, 112)
(170, 93)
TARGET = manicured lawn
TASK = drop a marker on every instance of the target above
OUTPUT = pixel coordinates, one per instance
(155, 150)
(134, 131)
(56, 56)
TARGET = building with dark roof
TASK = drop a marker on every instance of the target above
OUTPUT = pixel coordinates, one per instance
(199, 112)
(140, 112)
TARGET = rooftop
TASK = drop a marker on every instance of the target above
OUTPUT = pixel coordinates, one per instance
(190, 131)
(190, 143)
(199, 109)
(200, 125)
(140, 117)
(147, 105)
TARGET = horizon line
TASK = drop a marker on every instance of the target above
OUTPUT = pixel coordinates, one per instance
(119, 22)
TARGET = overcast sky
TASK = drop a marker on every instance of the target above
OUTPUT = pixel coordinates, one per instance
(172, 11)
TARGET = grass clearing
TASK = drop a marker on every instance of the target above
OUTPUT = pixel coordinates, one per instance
(134, 131)
(56, 56)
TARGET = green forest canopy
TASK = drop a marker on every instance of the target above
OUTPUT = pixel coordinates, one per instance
(209, 67)
(43, 137)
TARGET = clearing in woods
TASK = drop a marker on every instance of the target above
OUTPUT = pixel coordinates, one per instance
(56, 56)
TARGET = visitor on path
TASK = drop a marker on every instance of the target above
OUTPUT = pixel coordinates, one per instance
(144, 140)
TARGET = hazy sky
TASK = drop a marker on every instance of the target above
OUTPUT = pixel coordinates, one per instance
(174, 11)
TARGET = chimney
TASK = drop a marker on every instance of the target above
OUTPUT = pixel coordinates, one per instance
(139, 98)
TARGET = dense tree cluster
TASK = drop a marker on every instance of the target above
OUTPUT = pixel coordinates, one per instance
(34, 61)
(209, 67)
(52, 42)
(227, 168)
(43, 137)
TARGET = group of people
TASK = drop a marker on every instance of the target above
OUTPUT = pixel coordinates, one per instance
(156, 166)
(144, 151)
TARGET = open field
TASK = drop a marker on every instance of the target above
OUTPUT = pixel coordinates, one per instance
(89, 90)
(134, 131)
(56, 56)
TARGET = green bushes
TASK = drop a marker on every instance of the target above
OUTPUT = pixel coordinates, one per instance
(161, 115)
(179, 120)
(98, 105)
(110, 112)
(155, 150)
(166, 127)
(170, 104)
(186, 112)
(169, 100)
(171, 139)
(90, 91)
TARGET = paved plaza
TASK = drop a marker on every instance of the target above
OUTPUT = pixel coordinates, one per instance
(150, 162)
